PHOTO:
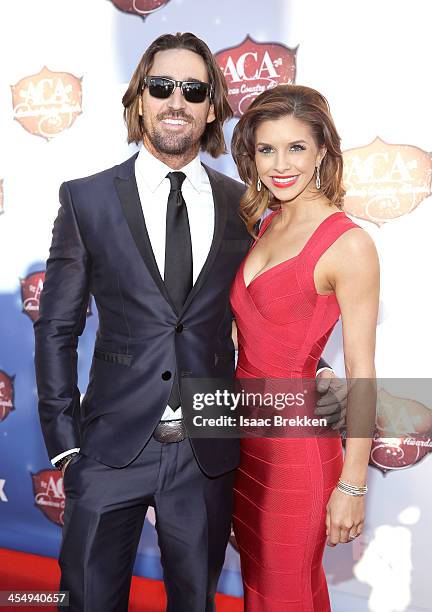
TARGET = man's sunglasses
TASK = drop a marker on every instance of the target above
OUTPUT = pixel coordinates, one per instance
(193, 91)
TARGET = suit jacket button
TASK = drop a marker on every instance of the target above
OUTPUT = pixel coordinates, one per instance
(179, 328)
(166, 375)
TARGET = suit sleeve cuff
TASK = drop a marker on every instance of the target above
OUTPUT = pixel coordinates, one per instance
(322, 369)
(64, 454)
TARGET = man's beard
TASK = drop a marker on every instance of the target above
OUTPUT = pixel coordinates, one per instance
(171, 144)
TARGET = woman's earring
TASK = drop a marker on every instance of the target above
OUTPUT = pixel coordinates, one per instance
(259, 184)
(318, 180)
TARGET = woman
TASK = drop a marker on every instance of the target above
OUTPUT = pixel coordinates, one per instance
(309, 265)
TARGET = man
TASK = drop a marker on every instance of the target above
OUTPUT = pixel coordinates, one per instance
(157, 240)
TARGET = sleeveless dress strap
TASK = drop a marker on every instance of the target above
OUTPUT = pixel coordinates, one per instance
(327, 233)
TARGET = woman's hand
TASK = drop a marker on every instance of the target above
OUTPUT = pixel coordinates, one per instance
(345, 517)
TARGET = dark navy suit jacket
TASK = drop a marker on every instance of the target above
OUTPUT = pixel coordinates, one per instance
(100, 246)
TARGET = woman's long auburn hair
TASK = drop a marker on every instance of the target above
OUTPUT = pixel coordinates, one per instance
(212, 141)
(306, 105)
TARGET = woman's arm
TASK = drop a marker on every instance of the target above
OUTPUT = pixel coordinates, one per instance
(356, 284)
(357, 292)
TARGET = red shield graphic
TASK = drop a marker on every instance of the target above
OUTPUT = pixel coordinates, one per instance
(47, 103)
(31, 289)
(253, 67)
(390, 454)
(6, 395)
(139, 7)
(412, 422)
(49, 494)
(1, 197)
(385, 181)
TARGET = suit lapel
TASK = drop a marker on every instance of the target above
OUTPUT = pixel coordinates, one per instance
(127, 190)
(220, 208)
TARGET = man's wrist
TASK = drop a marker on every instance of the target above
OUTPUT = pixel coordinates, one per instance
(64, 454)
(324, 368)
(64, 460)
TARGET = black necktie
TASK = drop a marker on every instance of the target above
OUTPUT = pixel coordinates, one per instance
(178, 256)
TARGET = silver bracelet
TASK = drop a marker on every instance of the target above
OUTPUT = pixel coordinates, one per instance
(350, 489)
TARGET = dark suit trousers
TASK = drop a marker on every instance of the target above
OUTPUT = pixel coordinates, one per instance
(104, 514)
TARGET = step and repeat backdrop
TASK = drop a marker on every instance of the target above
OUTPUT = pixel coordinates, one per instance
(65, 66)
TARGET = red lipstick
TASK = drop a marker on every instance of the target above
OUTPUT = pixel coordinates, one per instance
(282, 182)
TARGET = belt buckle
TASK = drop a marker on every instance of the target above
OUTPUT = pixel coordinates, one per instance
(170, 431)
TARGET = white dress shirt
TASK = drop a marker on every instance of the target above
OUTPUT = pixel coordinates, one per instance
(153, 189)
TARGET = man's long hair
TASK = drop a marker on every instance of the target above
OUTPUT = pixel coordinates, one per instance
(213, 140)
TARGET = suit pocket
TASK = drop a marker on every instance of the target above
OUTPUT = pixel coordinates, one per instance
(235, 246)
(223, 358)
(118, 358)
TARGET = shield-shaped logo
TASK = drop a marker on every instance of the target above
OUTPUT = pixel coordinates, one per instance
(252, 67)
(143, 8)
(385, 181)
(403, 435)
(31, 289)
(6, 395)
(47, 103)
(1, 197)
(49, 494)
(391, 454)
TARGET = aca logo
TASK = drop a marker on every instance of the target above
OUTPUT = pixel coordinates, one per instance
(143, 8)
(390, 454)
(1, 197)
(49, 494)
(6, 395)
(47, 103)
(31, 289)
(404, 432)
(385, 181)
(253, 67)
